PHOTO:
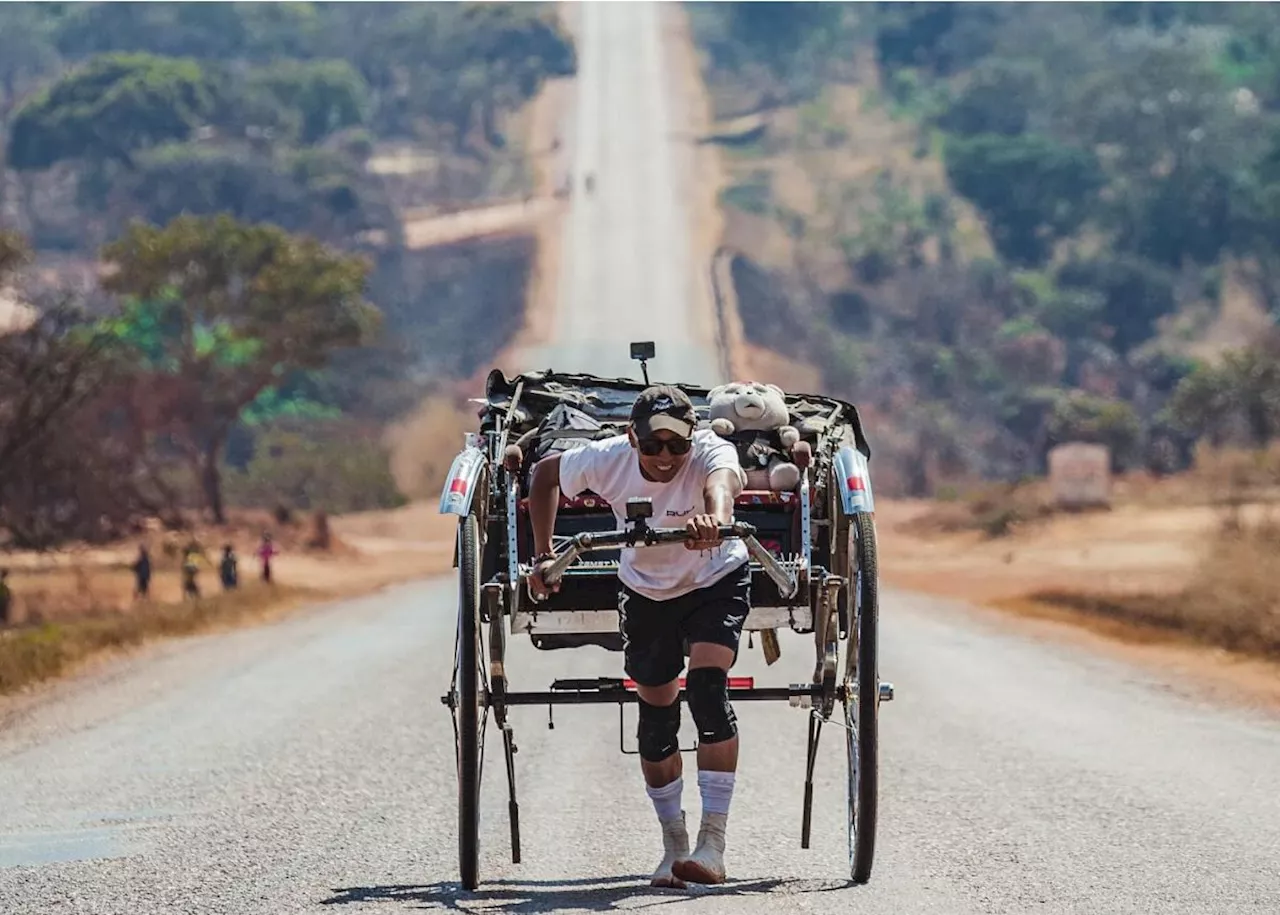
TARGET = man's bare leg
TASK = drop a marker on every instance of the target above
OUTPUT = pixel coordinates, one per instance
(722, 756)
(717, 761)
(657, 774)
(664, 784)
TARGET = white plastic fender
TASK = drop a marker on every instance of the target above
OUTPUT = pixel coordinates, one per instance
(853, 474)
(460, 484)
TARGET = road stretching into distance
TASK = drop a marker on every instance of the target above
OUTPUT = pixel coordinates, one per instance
(628, 270)
(307, 765)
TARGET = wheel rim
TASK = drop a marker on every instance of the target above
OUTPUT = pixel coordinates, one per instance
(481, 675)
(861, 703)
(852, 787)
(851, 694)
(470, 690)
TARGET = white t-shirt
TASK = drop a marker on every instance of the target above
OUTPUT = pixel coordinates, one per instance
(611, 469)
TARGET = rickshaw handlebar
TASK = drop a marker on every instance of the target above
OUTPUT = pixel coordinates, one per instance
(587, 541)
(639, 537)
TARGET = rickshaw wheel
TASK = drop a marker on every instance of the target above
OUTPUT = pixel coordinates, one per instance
(862, 700)
(469, 713)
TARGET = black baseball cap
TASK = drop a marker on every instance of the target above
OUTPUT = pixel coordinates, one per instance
(663, 406)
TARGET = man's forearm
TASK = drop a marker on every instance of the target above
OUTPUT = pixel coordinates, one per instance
(719, 495)
(544, 500)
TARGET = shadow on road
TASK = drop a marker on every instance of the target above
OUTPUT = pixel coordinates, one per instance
(528, 897)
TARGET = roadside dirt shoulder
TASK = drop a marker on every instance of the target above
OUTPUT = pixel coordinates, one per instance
(1133, 552)
(74, 611)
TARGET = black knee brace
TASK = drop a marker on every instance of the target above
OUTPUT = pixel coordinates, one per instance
(708, 692)
(658, 731)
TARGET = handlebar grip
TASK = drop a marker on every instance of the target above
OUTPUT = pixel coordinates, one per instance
(676, 534)
(738, 529)
(562, 562)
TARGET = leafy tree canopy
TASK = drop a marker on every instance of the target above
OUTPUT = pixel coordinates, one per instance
(111, 107)
(232, 310)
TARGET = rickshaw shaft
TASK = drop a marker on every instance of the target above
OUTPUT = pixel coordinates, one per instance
(606, 696)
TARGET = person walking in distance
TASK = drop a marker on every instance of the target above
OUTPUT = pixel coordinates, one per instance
(6, 598)
(190, 569)
(142, 574)
(697, 592)
(266, 551)
(229, 568)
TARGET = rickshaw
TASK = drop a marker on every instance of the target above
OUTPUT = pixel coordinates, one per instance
(813, 562)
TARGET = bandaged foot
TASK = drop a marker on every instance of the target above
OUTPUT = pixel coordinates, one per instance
(706, 864)
(675, 845)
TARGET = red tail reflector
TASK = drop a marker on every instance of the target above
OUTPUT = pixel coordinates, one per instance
(734, 683)
(855, 484)
(458, 485)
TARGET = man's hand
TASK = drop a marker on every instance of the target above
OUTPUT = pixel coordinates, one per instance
(544, 498)
(538, 586)
(721, 488)
(704, 532)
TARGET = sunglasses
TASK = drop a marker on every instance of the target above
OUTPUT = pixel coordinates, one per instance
(652, 447)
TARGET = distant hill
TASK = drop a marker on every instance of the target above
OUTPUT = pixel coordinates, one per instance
(1001, 226)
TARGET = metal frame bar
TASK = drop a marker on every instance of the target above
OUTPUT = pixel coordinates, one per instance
(574, 622)
(513, 548)
(787, 581)
(623, 695)
(806, 529)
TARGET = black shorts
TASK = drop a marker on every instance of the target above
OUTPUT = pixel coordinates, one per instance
(655, 632)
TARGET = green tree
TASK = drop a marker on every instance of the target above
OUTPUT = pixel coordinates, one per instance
(1134, 293)
(1083, 417)
(883, 231)
(1000, 97)
(461, 66)
(313, 190)
(216, 31)
(63, 470)
(1031, 189)
(938, 37)
(26, 50)
(1202, 403)
(109, 109)
(1255, 229)
(59, 472)
(1177, 142)
(1243, 388)
(328, 95)
(227, 310)
(321, 466)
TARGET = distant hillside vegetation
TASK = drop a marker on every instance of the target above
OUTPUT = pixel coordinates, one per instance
(1002, 226)
(201, 150)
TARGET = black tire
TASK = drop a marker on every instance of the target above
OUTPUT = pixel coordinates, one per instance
(468, 678)
(862, 719)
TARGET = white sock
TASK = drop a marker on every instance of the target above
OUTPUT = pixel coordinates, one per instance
(666, 800)
(717, 791)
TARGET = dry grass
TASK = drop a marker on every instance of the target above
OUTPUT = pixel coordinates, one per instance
(31, 653)
(76, 604)
(995, 509)
(1221, 477)
(1232, 601)
(1235, 482)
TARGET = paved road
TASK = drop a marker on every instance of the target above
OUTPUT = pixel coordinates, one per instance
(307, 766)
(629, 272)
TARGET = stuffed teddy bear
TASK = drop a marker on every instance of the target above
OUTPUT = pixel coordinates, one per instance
(755, 418)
